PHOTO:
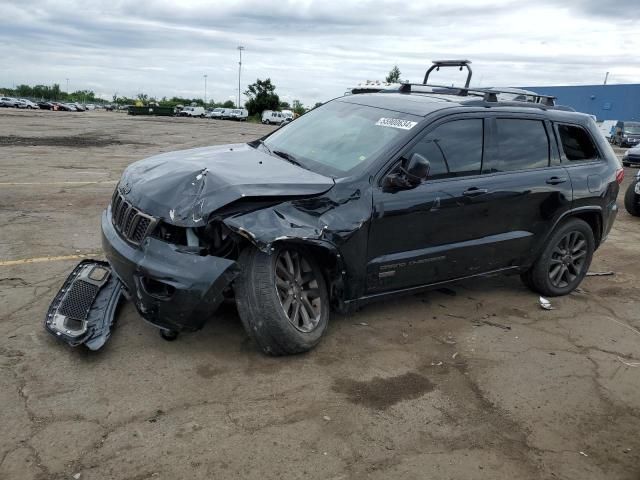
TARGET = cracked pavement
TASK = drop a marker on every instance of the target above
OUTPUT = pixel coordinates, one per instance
(473, 381)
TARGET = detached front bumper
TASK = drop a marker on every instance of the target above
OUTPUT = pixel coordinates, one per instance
(171, 288)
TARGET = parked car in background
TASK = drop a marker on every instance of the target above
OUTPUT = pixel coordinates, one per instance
(25, 103)
(239, 114)
(64, 107)
(626, 134)
(632, 197)
(220, 113)
(192, 112)
(109, 108)
(270, 117)
(631, 157)
(90, 106)
(607, 128)
(9, 102)
(46, 106)
(288, 115)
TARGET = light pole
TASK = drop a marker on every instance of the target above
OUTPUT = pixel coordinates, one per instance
(67, 86)
(240, 49)
(205, 91)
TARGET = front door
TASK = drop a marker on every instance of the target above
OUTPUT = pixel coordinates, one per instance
(434, 231)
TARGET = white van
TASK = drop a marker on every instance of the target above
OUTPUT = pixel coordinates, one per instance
(239, 114)
(192, 112)
(272, 117)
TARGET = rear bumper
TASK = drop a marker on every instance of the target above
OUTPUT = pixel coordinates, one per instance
(170, 288)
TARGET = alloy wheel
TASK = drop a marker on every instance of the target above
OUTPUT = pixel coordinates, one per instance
(567, 259)
(298, 290)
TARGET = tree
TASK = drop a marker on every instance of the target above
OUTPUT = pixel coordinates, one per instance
(262, 97)
(228, 104)
(298, 108)
(394, 75)
(284, 106)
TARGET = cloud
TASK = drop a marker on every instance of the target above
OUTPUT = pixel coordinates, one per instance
(312, 50)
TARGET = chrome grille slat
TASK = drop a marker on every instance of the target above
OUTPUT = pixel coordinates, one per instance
(131, 223)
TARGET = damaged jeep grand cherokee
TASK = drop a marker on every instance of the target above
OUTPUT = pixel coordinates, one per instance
(365, 197)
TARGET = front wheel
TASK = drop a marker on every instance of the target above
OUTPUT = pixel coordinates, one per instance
(282, 299)
(564, 261)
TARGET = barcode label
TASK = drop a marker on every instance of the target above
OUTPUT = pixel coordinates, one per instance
(396, 123)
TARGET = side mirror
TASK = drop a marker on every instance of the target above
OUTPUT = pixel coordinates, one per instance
(410, 174)
(417, 169)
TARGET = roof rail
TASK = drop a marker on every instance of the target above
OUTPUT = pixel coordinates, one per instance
(450, 63)
(487, 94)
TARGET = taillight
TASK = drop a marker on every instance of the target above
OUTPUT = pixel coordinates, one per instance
(619, 175)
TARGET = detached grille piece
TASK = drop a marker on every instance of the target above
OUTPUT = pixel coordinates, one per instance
(78, 300)
(130, 222)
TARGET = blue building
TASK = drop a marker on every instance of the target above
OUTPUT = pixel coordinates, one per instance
(606, 102)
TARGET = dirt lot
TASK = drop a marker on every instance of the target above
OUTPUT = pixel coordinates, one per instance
(471, 382)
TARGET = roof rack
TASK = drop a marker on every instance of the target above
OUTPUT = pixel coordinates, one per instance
(437, 64)
(487, 94)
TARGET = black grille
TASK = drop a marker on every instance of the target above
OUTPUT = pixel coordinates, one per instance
(132, 224)
(78, 301)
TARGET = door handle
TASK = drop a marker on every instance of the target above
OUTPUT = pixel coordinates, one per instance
(474, 191)
(556, 180)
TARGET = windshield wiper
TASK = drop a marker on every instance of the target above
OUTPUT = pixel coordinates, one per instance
(288, 157)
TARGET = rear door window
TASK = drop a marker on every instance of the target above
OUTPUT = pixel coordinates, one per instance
(453, 149)
(520, 144)
(577, 144)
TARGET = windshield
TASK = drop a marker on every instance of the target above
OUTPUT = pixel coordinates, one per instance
(632, 128)
(340, 138)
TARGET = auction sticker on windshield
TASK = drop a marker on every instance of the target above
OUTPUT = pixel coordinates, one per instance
(396, 123)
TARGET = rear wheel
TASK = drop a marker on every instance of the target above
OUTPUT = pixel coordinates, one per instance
(564, 261)
(282, 299)
(631, 199)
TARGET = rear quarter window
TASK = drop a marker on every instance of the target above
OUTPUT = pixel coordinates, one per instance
(577, 144)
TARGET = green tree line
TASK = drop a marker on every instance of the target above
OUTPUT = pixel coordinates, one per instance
(53, 92)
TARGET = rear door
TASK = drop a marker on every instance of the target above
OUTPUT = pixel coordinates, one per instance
(528, 189)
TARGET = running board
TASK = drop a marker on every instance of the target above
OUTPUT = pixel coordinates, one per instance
(83, 311)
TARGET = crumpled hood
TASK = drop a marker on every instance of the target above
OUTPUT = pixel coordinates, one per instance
(184, 187)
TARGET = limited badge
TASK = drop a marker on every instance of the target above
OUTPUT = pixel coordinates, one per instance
(396, 123)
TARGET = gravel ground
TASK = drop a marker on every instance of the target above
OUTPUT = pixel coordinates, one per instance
(471, 382)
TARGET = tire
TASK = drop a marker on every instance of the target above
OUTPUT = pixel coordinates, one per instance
(564, 261)
(630, 202)
(261, 304)
(626, 164)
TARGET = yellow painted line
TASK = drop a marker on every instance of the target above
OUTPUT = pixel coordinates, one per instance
(6, 263)
(109, 182)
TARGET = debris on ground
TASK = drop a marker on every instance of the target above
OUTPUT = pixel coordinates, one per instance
(453, 357)
(545, 304)
(362, 324)
(327, 418)
(584, 454)
(599, 274)
(498, 325)
(629, 364)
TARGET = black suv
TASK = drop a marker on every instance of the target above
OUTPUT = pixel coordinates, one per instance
(366, 197)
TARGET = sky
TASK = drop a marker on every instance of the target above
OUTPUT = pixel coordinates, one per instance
(312, 50)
